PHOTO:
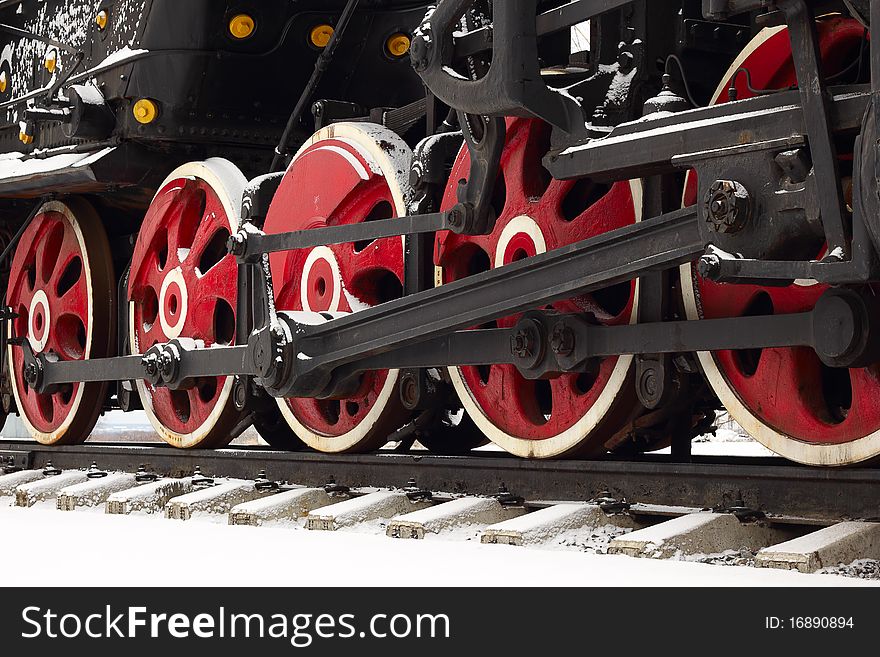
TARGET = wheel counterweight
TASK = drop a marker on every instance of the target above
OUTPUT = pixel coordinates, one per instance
(183, 284)
(786, 398)
(61, 286)
(572, 413)
(346, 173)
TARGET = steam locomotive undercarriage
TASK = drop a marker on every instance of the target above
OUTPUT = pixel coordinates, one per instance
(574, 256)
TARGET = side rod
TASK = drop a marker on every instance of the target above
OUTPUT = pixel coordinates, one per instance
(610, 258)
(252, 244)
(492, 346)
(614, 257)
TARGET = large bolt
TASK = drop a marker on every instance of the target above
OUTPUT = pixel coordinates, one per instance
(166, 363)
(409, 390)
(239, 393)
(709, 267)
(562, 340)
(50, 470)
(150, 363)
(728, 206)
(521, 344)
(235, 244)
(31, 374)
(455, 216)
(144, 475)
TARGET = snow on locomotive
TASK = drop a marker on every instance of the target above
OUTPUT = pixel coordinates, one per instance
(565, 227)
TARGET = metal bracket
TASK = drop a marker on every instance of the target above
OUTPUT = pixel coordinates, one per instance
(13, 461)
(512, 85)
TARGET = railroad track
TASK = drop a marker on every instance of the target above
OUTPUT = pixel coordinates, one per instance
(743, 511)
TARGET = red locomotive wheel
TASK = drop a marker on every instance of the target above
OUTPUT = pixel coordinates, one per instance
(787, 398)
(183, 284)
(61, 285)
(573, 413)
(346, 173)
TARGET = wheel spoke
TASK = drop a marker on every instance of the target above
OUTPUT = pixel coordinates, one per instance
(540, 418)
(337, 180)
(219, 282)
(48, 249)
(66, 250)
(379, 254)
(209, 233)
(183, 221)
(147, 337)
(191, 211)
(786, 397)
(72, 302)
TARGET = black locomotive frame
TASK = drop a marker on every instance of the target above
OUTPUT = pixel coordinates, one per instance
(284, 357)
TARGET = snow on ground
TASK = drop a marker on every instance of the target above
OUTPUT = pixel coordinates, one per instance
(130, 544)
(150, 551)
(729, 440)
(118, 426)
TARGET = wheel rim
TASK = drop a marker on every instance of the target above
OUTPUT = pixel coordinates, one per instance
(183, 284)
(786, 398)
(574, 413)
(342, 175)
(61, 286)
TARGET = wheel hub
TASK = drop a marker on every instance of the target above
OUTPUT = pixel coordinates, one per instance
(174, 302)
(787, 398)
(346, 173)
(521, 238)
(321, 287)
(39, 321)
(574, 412)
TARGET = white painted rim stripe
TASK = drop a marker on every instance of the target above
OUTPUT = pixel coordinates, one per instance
(348, 157)
(571, 437)
(229, 183)
(791, 448)
(55, 436)
(365, 137)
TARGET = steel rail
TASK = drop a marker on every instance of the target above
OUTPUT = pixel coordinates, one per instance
(780, 489)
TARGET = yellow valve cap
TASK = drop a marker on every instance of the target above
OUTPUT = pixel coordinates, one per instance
(320, 35)
(101, 19)
(398, 44)
(145, 111)
(4, 82)
(51, 60)
(242, 26)
(25, 138)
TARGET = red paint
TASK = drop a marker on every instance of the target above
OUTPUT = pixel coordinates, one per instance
(186, 215)
(47, 249)
(786, 390)
(507, 399)
(323, 188)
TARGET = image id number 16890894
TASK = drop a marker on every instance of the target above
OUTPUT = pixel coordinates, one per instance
(808, 623)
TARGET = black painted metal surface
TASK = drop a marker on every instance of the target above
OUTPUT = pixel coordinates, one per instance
(773, 486)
